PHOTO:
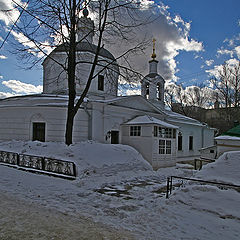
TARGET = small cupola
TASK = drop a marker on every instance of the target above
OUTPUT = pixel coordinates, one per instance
(85, 28)
(152, 85)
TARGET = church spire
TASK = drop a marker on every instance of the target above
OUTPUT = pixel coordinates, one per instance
(85, 28)
(153, 62)
(154, 54)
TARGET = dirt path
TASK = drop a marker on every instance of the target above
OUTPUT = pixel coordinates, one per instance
(26, 221)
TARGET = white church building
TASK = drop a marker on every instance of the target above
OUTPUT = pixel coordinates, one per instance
(141, 121)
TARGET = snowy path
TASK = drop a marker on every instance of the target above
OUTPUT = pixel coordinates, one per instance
(122, 196)
(27, 221)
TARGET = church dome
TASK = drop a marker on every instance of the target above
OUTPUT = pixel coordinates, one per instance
(105, 82)
(84, 47)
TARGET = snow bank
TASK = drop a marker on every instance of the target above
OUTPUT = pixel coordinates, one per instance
(225, 169)
(90, 157)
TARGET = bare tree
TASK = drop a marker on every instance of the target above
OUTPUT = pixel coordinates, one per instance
(185, 100)
(227, 84)
(45, 24)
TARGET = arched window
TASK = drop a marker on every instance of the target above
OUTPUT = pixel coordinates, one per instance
(159, 91)
(180, 142)
(147, 90)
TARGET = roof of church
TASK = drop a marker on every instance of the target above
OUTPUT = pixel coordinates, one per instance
(85, 47)
(235, 131)
(153, 75)
(150, 120)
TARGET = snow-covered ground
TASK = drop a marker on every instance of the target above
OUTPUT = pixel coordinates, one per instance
(116, 187)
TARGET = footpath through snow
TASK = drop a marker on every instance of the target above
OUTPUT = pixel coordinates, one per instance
(117, 188)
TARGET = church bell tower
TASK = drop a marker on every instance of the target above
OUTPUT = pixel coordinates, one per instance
(152, 85)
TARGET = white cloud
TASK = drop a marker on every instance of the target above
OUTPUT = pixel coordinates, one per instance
(32, 48)
(237, 50)
(172, 37)
(225, 52)
(232, 62)
(3, 57)
(22, 88)
(215, 71)
(1, 77)
(133, 92)
(6, 95)
(209, 62)
(9, 17)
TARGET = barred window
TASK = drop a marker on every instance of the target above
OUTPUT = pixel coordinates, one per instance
(135, 130)
(164, 132)
(162, 146)
(190, 142)
(168, 147)
(155, 131)
(165, 147)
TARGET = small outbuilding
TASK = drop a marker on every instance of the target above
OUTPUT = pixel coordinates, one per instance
(229, 141)
(154, 139)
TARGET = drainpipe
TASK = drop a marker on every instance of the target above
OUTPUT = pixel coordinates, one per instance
(89, 120)
(202, 136)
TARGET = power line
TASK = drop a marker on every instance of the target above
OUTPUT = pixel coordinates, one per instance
(5, 39)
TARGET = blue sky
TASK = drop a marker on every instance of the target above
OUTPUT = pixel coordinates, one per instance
(192, 38)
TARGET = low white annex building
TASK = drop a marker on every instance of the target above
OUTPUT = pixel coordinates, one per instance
(141, 121)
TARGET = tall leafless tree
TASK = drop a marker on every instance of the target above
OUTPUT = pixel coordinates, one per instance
(45, 21)
(227, 84)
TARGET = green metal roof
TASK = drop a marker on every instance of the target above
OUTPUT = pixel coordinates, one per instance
(233, 131)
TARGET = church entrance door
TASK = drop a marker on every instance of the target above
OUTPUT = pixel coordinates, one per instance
(38, 132)
(114, 137)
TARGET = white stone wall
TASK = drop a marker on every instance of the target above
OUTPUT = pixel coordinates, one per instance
(226, 145)
(55, 78)
(202, 137)
(16, 123)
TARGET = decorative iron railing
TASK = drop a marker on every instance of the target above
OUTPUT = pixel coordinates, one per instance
(185, 180)
(39, 164)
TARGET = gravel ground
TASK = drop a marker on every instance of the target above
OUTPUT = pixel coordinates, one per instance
(27, 221)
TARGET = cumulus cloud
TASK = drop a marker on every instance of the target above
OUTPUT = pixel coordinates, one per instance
(9, 17)
(6, 95)
(172, 36)
(31, 46)
(19, 87)
(237, 51)
(3, 57)
(225, 52)
(215, 70)
(209, 62)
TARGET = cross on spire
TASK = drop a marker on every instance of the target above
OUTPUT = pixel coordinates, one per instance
(154, 54)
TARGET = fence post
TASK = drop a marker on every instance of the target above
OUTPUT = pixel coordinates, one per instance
(171, 184)
(195, 164)
(168, 179)
(200, 165)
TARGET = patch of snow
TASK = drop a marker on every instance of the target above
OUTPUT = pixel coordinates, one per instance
(121, 190)
(225, 137)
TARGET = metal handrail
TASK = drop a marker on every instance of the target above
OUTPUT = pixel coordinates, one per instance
(169, 183)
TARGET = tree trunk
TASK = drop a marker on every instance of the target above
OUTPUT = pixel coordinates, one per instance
(69, 126)
(71, 77)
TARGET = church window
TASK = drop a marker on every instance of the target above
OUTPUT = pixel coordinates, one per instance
(166, 132)
(135, 130)
(159, 91)
(190, 142)
(101, 82)
(165, 147)
(155, 131)
(180, 141)
(168, 147)
(147, 90)
(38, 131)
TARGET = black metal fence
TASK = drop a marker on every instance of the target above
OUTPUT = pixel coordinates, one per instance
(170, 183)
(39, 164)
